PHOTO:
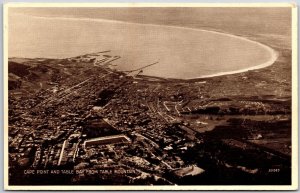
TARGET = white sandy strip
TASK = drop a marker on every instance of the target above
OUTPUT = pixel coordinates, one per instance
(274, 56)
(273, 53)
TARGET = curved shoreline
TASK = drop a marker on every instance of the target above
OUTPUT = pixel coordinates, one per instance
(272, 52)
(260, 66)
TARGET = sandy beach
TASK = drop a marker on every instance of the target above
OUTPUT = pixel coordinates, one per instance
(180, 52)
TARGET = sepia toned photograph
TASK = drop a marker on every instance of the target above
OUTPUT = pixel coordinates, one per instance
(150, 96)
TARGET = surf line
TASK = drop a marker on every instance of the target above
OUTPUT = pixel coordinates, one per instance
(272, 52)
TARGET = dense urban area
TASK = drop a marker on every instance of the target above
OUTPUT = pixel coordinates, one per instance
(79, 121)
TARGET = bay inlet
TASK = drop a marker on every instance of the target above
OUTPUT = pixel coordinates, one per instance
(180, 52)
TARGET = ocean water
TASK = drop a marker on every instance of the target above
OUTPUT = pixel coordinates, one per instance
(180, 52)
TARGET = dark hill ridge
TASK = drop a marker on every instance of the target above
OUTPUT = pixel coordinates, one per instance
(14, 81)
(18, 69)
(32, 75)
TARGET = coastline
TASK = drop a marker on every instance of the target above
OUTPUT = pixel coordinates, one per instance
(271, 51)
(260, 66)
(238, 126)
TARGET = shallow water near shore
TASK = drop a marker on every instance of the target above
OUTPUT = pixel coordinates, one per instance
(181, 53)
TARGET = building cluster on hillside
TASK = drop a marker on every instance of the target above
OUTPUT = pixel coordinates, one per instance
(149, 126)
